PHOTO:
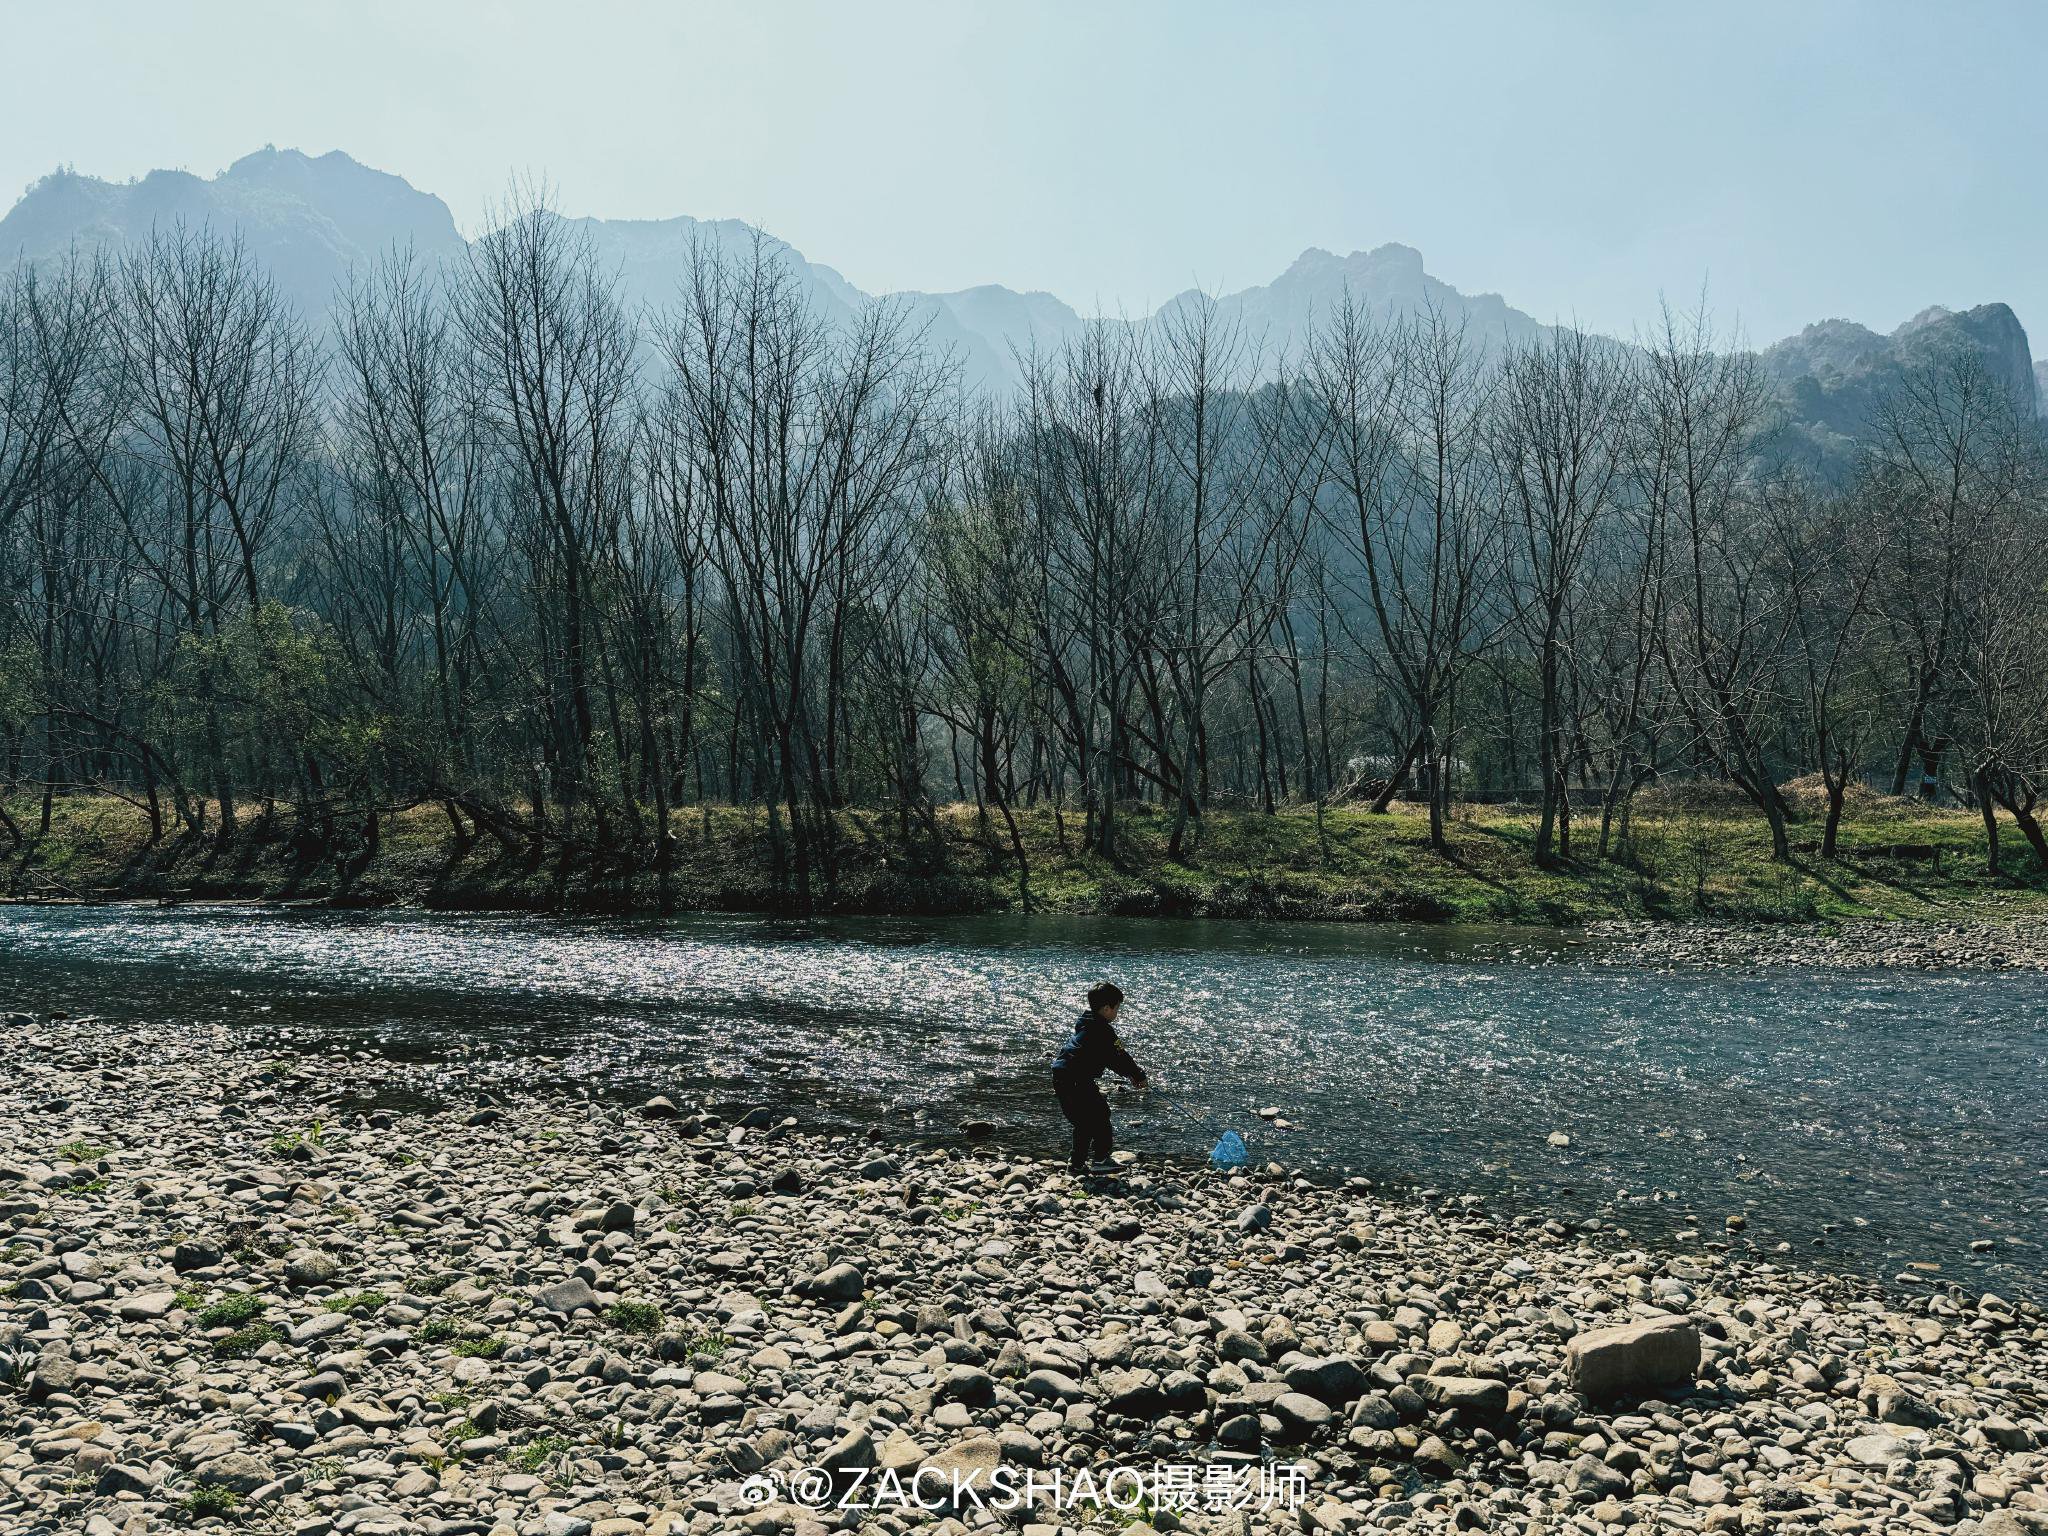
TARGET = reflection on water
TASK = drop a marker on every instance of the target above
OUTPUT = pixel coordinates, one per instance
(1893, 1117)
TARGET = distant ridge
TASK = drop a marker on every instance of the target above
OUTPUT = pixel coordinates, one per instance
(310, 218)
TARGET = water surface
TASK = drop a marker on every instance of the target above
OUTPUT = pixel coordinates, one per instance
(1869, 1119)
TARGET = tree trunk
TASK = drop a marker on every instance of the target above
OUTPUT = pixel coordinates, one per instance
(1837, 793)
(1397, 777)
(1989, 810)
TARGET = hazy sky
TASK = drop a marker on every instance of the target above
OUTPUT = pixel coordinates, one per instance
(1805, 159)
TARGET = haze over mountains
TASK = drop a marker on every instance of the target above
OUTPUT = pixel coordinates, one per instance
(310, 218)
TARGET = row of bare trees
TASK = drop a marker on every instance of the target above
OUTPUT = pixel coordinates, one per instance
(503, 544)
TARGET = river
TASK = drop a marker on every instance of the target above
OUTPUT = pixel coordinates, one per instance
(1869, 1119)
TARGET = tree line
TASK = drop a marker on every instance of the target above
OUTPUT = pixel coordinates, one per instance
(498, 542)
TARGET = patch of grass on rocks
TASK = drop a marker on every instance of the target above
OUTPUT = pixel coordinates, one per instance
(287, 1142)
(371, 1301)
(488, 1348)
(232, 1311)
(244, 1342)
(539, 1452)
(712, 1346)
(634, 1316)
(212, 1500)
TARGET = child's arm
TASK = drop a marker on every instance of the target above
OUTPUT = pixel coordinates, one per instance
(1120, 1063)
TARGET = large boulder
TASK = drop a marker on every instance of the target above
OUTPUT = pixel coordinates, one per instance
(1634, 1358)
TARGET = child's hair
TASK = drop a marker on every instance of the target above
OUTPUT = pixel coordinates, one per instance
(1107, 995)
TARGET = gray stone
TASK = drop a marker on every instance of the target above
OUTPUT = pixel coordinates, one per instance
(568, 1296)
(1879, 1450)
(1633, 1358)
(1051, 1386)
(192, 1254)
(966, 1384)
(841, 1282)
(1300, 1415)
(1474, 1396)
(309, 1266)
(1336, 1380)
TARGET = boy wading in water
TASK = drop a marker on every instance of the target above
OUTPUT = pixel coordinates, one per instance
(1091, 1050)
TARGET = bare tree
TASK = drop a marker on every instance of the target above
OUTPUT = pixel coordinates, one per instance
(1825, 565)
(555, 352)
(1722, 641)
(1558, 441)
(1949, 444)
(1406, 413)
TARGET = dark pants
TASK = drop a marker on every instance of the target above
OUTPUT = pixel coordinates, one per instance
(1088, 1111)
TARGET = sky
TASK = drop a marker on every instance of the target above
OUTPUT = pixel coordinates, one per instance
(1802, 160)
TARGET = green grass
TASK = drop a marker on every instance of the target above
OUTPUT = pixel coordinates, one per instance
(288, 1142)
(437, 1330)
(81, 1152)
(372, 1300)
(232, 1311)
(539, 1452)
(244, 1342)
(1694, 851)
(634, 1316)
(489, 1348)
(212, 1499)
(712, 1345)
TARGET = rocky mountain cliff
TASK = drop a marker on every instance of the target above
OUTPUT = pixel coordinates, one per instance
(1831, 376)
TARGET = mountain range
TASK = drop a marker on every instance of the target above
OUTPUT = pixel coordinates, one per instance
(309, 219)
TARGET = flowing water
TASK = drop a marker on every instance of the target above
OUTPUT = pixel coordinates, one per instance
(1868, 1119)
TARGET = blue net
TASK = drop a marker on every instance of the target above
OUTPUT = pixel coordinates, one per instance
(1229, 1152)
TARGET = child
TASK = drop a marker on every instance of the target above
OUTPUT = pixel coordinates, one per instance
(1091, 1050)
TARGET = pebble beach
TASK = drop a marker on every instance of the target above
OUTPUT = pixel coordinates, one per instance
(271, 1295)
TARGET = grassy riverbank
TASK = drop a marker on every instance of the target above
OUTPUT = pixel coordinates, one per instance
(1686, 860)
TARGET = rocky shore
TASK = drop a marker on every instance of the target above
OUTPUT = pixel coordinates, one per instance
(232, 1299)
(1975, 944)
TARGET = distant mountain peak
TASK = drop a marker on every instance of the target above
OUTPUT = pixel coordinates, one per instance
(311, 218)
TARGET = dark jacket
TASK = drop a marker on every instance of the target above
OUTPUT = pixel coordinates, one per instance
(1093, 1049)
